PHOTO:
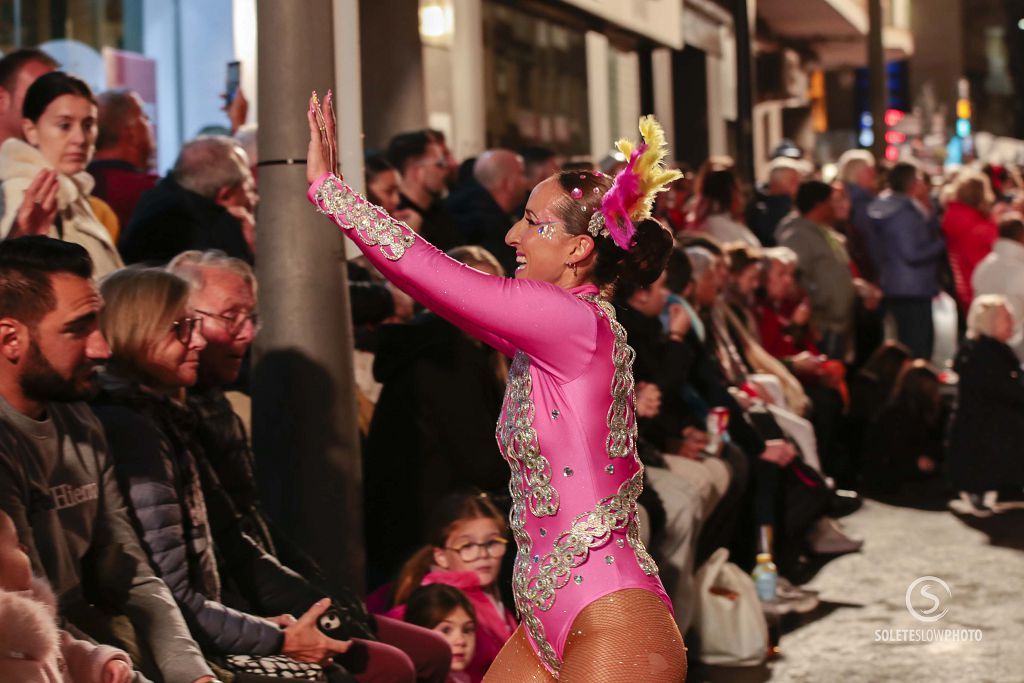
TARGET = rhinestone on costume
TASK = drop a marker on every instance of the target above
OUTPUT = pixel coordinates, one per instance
(536, 559)
(610, 469)
(578, 579)
(608, 559)
(621, 542)
(555, 414)
(567, 471)
(543, 531)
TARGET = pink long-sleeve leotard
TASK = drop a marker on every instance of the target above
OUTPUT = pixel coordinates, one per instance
(566, 428)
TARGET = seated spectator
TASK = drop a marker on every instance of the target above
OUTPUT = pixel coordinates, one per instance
(484, 210)
(223, 290)
(18, 70)
(155, 340)
(969, 229)
(986, 425)
(448, 611)
(823, 265)
(718, 204)
(32, 647)
(56, 477)
(448, 388)
(783, 316)
(45, 186)
(1002, 272)
(689, 475)
(744, 278)
(904, 440)
(467, 541)
(206, 202)
(906, 245)
(124, 152)
(423, 170)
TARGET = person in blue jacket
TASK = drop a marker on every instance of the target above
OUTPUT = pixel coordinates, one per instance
(907, 246)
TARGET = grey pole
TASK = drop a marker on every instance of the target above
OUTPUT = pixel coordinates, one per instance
(305, 433)
(876, 77)
(746, 89)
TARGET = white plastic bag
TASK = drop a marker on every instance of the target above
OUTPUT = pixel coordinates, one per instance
(729, 619)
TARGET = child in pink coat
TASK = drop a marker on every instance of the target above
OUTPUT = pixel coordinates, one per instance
(32, 648)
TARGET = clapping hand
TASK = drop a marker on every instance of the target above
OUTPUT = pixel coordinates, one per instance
(39, 206)
(321, 155)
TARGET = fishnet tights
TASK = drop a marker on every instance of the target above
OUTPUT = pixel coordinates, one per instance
(625, 637)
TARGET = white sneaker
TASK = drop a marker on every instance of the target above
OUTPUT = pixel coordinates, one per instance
(973, 504)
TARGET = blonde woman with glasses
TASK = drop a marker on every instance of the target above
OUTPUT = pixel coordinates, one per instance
(155, 340)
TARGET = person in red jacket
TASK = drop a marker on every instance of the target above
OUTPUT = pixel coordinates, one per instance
(969, 229)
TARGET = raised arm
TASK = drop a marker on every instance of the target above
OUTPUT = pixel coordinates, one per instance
(545, 321)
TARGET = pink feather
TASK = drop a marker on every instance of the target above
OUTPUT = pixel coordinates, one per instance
(623, 194)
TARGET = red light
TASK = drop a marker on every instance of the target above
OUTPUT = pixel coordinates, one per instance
(891, 153)
(893, 116)
(894, 137)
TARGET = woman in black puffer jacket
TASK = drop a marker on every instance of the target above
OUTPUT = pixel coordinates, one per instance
(155, 341)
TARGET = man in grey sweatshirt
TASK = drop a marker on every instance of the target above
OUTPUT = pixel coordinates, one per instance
(56, 477)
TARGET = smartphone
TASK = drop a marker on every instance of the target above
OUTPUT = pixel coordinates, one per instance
(233, 80)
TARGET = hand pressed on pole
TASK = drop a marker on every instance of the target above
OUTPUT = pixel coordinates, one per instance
(321, 155)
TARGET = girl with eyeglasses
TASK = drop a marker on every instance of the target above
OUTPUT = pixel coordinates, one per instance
(468, 541)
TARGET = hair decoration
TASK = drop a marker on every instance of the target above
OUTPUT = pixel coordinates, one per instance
(631, 196)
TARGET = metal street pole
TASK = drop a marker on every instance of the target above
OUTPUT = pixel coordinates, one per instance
(745, 89)
(876, 77)
(305, 433)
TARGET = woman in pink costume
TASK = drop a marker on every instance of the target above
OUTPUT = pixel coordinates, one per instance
(587, 592)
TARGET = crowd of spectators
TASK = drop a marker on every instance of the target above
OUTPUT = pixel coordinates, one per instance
(785, 360)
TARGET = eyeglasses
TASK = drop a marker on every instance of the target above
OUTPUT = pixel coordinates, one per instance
(185, 328)
(234, 322)
(474, 551)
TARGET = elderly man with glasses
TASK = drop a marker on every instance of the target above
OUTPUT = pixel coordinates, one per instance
(224, 294)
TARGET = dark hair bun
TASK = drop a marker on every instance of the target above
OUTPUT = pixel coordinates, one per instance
(652, 245)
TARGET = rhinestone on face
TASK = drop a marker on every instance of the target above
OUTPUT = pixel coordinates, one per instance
(608, 559)
(567, 471)
(543, 531)
(576, 193)
(555, 414)
(610, 469)
(578, 579)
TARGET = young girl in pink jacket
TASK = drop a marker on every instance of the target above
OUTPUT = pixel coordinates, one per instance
(32, 648)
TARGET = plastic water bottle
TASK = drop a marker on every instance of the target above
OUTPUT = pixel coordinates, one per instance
(766, 577)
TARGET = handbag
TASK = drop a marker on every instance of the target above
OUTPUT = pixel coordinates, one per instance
(728, 617)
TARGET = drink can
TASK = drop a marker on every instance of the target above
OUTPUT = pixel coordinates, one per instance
(718, 422)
